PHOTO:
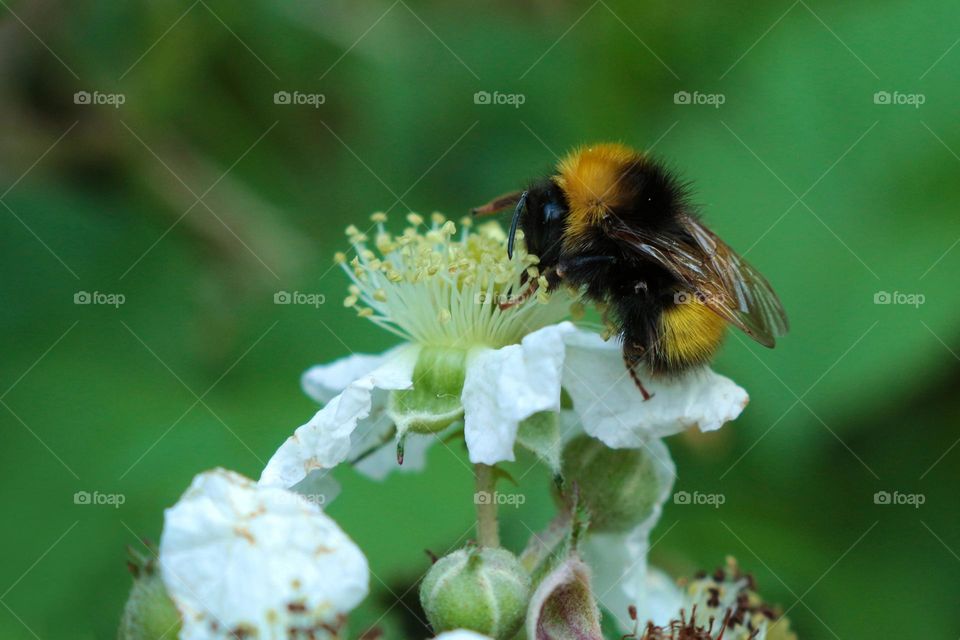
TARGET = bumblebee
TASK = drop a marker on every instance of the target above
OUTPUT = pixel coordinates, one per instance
(617, 225)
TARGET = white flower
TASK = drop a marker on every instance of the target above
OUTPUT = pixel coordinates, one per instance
(707, 602)
(467, 358)
(241, 560)
(622, 578)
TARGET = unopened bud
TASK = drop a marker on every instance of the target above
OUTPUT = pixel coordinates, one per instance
(619, 487)
(482, 589)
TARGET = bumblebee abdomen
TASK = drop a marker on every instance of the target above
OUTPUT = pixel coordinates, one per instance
(689, 335)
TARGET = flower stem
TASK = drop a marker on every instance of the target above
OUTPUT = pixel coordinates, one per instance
(488, 534)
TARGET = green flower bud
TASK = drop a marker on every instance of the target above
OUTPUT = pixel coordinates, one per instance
(482, 589)
(619, 487)
(149, 613)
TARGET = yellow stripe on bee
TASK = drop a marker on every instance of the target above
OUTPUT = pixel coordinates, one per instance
(589, 177)
(691, 332)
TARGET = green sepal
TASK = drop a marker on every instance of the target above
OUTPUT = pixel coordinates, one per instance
(540, 434)
(433, 403)
(547, 549)
(149, 613)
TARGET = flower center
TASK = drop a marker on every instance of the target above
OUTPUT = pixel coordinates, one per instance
(435, 285)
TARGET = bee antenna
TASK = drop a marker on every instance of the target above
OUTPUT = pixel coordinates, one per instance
(521, 204)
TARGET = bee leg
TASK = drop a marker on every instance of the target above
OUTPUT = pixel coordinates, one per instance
(630, 358)
(553, 278)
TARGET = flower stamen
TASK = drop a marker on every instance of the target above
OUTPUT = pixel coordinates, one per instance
(432, 285)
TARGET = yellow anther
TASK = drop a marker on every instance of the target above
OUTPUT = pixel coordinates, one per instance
(379, 217)
(415, 219)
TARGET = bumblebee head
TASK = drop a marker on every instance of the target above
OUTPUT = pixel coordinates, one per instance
(540, 212)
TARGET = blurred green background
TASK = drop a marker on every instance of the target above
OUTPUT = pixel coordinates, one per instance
(199, 198)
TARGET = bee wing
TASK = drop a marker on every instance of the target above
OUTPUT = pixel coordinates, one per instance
(726, 283)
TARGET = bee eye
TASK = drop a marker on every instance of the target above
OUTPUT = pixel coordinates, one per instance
(552, 211)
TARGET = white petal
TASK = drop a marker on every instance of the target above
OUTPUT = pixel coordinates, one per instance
(236, 555)
(621, 576)
(505, 386)
(613, 410)
(327, 439)
(662, 600)
(324, 381)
